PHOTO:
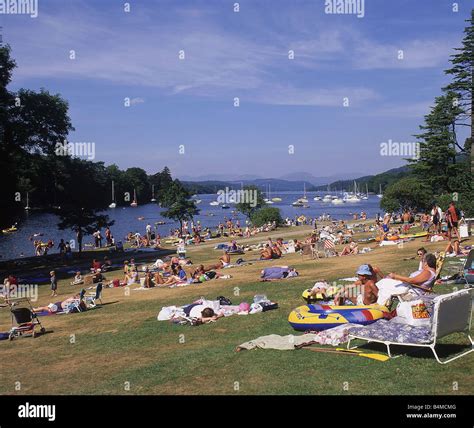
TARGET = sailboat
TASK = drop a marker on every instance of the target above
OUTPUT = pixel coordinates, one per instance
(113, 204)
(302, 202)
(380, 195)
(268, 199)
(366, 196)
(134, 203)
(153, 193)
(352, 197)
(304, 199)
(27, 202)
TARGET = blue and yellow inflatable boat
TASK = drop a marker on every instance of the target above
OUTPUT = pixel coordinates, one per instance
(322, 317)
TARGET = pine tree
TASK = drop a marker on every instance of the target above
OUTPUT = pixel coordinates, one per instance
(462, 85)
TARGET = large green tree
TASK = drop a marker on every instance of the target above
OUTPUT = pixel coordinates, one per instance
(253, 203)
(407, 193)
(31, 124)
(88, 197)
(178, 203)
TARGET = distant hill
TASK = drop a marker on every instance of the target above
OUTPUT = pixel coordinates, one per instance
(373, 181)
(276, 185)
(319, 181)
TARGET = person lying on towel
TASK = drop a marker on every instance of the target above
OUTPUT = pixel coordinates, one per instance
(277, 272)
(58, 306)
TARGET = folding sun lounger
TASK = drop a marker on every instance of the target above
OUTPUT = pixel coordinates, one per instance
(451, 314)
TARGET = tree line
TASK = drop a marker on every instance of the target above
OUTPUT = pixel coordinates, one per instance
(444, 169)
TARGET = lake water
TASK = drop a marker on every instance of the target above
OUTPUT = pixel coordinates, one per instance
(126, 220)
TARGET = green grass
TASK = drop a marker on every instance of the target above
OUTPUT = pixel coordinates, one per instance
(123, 342)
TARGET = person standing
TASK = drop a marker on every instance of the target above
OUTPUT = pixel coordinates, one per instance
(108, 236)
(62, 247)
(436, 216)
(148, 231)
(54, 284)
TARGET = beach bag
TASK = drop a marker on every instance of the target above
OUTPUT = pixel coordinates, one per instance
(463, 231)
(224, 301)
(414, 313)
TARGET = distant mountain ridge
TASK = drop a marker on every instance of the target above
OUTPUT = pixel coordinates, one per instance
(278, 184)
(373, 183)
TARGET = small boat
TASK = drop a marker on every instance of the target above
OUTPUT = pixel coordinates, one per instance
(152, 193)
(10, 229)
(304, 199)
(141, 218)
(317, 198)
(160, 222)
(338, 201)
(322, 317)
(276, 199)
(297, 203)
(27, 202)
(380, 195)
(113, 204)
(197, 201)
(214, 203)
(134, 204)
(225, 206)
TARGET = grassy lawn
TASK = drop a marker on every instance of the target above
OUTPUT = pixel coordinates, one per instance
(121, 348)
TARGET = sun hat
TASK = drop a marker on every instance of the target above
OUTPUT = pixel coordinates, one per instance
(364, 270)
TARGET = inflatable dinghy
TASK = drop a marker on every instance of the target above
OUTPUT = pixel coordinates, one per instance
(322, 317)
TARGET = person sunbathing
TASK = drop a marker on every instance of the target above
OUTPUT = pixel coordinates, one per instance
(58, 306)
(178, 275)
(351, 249)
(276, 252)
(266, 253)
(275, 273)
(422, 280)
(77, 279)
(362, 292)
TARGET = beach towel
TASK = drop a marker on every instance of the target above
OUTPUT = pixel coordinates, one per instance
(334, 337)
(389, 287)
(276, 272)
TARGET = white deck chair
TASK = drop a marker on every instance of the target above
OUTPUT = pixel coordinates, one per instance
(452, 313)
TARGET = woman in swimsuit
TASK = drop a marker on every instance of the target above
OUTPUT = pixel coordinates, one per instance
(422, 280)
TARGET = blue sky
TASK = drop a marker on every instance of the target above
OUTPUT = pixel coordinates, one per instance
(283, 102)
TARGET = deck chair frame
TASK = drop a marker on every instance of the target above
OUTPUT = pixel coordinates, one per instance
(435, 329)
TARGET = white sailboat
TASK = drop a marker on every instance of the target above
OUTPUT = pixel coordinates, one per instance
(27, 202)
(214, 203)
(134, 204)
(380, 195)
(153, 193)
(366, 196)
(304, 199)
(352, 197)
(268, 199)
(113, 204)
